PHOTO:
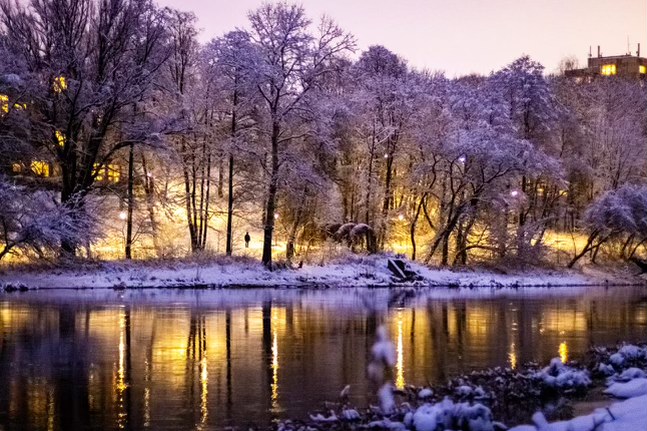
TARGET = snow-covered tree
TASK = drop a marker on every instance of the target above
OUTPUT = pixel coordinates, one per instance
(88, 64)
(615, 214)
(228, 62)
(293, 63)
(35, 221)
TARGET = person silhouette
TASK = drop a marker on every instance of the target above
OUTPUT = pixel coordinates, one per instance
(247, 239)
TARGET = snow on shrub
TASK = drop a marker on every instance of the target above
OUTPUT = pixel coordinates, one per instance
(36, 221)
(449, 415)
(559, 376)
(628, 354)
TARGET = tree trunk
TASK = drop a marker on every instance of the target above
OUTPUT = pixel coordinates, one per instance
(149, 189)
(270, 206)
(414, 222)
(230, 182)
(371, 155)
(130, 198)
(230, 204)
(588, 247)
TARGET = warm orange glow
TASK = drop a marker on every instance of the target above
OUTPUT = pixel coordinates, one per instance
(608, 69)
(16, 168)
(60, 84)
(110, 173)
(512, 356)
(114, 173)
(4, 104)
(399, 366)
(121, 384)
(563, 352)
(275, 372)
(204, 391)
(40, 168)
(98, 172)
(60, 138)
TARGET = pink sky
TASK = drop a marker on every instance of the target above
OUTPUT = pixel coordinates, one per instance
(462, 36)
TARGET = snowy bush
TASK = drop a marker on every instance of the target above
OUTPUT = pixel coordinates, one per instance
(616, 214)
(447, 415)
(37, 222)
(562, 377)
(627, 355)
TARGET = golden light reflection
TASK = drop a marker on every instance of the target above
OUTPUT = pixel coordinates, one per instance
(275, 372)
(399, 364)
(204, 391)
(564, 321)
(147, 393)
(563, 352)
(278, 321)
(641, 316)
(120, 378)
(512, 356)
(51, 411)
(147, 407)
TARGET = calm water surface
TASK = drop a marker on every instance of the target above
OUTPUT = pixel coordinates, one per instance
(180, 360)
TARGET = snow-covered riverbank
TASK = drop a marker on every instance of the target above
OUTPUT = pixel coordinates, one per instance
(627, 380)
(360, 271)
(473, 402)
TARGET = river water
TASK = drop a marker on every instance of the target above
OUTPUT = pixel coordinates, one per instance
(181, 360)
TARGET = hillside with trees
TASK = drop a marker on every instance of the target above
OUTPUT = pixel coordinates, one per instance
(122, 136)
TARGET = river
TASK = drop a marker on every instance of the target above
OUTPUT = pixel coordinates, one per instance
(210, 359)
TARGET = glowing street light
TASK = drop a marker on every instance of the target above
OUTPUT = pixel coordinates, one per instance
(514, 193)
(123, 215)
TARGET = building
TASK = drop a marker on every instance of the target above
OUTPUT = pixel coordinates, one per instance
(46, 168)
(626, 66)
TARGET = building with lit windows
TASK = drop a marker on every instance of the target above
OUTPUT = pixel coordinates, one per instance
(108, 174)
(626, 66)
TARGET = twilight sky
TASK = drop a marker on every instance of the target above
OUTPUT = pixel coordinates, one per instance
(462, 36)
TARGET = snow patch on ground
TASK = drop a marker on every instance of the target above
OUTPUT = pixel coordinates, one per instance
(360, 271)
(629, 415)
(630, 389)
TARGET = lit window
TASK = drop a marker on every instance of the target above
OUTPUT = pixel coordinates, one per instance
(608, 69)
(60, 84)
(4, 103)
(642, 69)
(16, 168)
(113, 173)
(98, 172)
(60, 138)
(40, 168)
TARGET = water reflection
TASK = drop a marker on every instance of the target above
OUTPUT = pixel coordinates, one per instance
(275, 363)
(399, 365)
(206, 360)
(563, 352)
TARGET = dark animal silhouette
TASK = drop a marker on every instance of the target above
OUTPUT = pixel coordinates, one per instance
(642, 264)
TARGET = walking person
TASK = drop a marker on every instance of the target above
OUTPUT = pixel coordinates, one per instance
(247, 239)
